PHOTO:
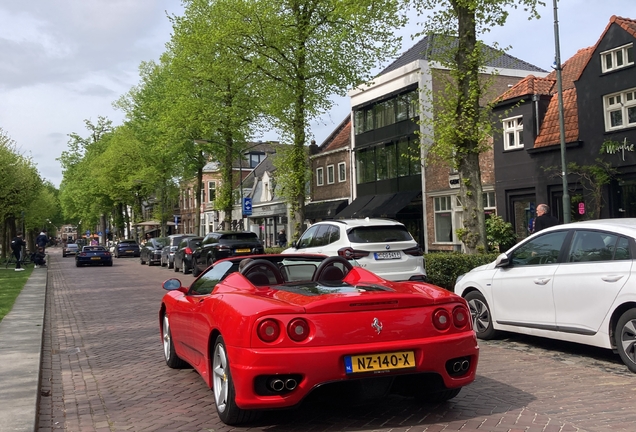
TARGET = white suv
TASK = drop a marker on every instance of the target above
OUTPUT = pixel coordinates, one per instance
(382, 246)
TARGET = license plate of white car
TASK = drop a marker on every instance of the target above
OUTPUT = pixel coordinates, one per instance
(380, 362)
(387, 255)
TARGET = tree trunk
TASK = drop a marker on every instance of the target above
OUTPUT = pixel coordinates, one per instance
(467, 113)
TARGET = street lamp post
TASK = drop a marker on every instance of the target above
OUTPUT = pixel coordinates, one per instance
(564, 168)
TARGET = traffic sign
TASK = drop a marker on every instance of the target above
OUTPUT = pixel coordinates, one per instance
(247, 206)
(88, 232)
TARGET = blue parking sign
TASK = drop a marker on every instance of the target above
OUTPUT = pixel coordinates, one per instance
(247, 206)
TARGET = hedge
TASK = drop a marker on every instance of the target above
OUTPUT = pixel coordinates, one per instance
(442, 268)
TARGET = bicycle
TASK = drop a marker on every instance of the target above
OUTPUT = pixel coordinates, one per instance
(25, 259)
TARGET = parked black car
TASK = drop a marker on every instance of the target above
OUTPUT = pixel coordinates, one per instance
(217, 245)
(183, 254)
(167, 253)
(127, 247)
(151, 252)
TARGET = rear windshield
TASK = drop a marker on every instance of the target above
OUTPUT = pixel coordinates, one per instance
(128, 243)
(161, 241)
(379, 234)
(239, 236)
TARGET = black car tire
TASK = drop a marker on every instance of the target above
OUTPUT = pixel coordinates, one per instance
(480, 313)
(170, 264)
(63, 255)
(186, 268)
(223, 388)
(625, 338)
(195, 270)
(141, 260)
(171, 357)
(176, 269)
(163, 264)
(77, 264)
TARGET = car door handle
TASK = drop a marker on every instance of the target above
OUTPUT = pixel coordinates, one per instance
(541, 281)
(612, 278)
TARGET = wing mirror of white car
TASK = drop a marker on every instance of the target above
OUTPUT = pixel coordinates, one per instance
(502, 260)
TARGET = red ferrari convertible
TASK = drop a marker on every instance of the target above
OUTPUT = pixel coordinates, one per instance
(267, 335)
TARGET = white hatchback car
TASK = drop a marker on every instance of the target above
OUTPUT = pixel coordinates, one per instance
(382, 246)
(570, 282)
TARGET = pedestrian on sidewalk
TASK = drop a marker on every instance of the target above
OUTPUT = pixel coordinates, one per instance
(42, 240)
(544, 219)
(39, 258)
(16, 246)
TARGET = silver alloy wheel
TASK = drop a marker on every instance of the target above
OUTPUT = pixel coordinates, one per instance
(628, 339)
(166, 338)
(219, 374)
(480, 314)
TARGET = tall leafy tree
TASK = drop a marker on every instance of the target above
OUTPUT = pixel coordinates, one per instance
(306, 51)
(461, 123)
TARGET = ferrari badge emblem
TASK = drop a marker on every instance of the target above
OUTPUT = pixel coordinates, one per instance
(377, 325)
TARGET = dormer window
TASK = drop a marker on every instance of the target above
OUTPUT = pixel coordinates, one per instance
(513, 133)
(617, 58)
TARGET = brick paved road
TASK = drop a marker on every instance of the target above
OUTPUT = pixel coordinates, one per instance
(103, 370)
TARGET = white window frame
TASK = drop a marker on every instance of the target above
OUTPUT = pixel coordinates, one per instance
(320, 176)
(342, 172)
(613, 54)
(444, 204)
(331, 174)
(511, 126)
(623, 102)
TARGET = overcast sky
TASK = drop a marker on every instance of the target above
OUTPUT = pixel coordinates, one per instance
(63, 61)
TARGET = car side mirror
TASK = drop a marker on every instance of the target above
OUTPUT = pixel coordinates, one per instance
(198, 244)
(174, 284)
(293, 244)
(502, 261)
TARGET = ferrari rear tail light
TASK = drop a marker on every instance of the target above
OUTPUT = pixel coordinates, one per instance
(460, 317)
(268, 330)
(414, 251)
(441, 319)
(298, 330)
(349, 253)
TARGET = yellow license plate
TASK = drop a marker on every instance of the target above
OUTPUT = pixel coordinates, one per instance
(380, 362)
(243, 250)
(95, 258)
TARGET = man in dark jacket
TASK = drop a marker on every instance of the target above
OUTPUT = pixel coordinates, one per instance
(42, 240)
(16, 246)
(544, 219)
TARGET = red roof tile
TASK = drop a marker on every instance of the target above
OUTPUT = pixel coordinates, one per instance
(550, 133)
(341, 137)
(629, 25)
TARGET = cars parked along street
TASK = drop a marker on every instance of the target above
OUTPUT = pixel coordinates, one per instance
(573, 282)
(151, 251)
(167, 253)
(382, 246)
(309, 321)
(183, 254)
(223, 244)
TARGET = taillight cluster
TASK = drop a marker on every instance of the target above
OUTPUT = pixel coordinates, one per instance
(442, 319)
(187, 251)
(269, 330)
(414, 251)
(349, 253)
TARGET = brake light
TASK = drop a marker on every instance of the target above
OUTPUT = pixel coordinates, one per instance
(349, 253)
(107, 253)
(460, 317)
(268, 330)
(188, 251)
(222, 247)
(441, 319)
(298, 330)
(414, 251)
(83, 254)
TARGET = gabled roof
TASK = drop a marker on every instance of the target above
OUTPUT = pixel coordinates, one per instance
(339, 138)
(550, 133)
(429, 47)
(531, 85)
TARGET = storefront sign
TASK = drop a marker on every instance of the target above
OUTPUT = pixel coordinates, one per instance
(612, 147)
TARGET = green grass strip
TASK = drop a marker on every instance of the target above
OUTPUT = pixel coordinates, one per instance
(11, 283)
